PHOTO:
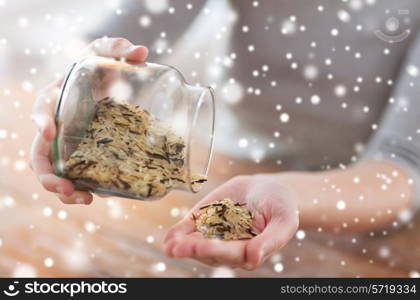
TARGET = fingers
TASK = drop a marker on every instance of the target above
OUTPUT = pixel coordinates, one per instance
(276, 234)
(195, 246)
(119, 48)
(43, 169)
(182, 228)
(179, 230)
(45, 125)
(230, 253)
(56, 184)
(43, 111)
(78, 197)
(185, 246)
(182, 242)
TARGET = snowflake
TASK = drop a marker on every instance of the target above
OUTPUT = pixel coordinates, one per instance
(300, 234)
(341, 205)
(277, 257)
(27, 86)
(384, 252)
(413, 71)
(340, 90)
(405, 216)
(24, 270)
(175, 212)
(90, 227)
(23, 22)
(48, 262)
(310, 72)
(62, 214)
(150, 239)
(278, 267)
(264, 68)
(243, 143)
(3, 133)
(315, 99)
(114, 209)
(145, 21)
(20, 165)
(343, 16)
(47, 211)
(232, 92)
(156, 6)
(257, 154)
(356, 4)
(222, 272)
(288, 27)
(159, 267)
(284, 117)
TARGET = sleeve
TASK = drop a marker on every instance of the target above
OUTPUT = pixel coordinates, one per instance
(398, 135)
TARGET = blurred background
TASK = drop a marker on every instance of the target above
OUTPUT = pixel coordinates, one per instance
(40, 236)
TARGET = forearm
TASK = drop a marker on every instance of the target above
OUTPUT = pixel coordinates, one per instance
(366, 196)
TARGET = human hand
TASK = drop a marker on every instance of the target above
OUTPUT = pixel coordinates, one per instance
(43, 116)
(275, 220)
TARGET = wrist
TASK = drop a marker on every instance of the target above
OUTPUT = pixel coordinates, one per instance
(305, 188)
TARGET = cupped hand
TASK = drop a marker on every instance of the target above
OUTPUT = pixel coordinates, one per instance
(275, 222)
(43, 117)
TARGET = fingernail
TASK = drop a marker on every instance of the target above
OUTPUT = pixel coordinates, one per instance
(79, 200)
(131, 48)
(134, 48)
(261, 255)
(59, 190)
(248, 267)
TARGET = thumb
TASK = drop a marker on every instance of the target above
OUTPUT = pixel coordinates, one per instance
(274, 236)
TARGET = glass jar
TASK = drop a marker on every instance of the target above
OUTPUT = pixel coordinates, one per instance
(132, 130)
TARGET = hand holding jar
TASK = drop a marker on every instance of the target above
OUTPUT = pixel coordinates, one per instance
(128, 128)
(43, 116)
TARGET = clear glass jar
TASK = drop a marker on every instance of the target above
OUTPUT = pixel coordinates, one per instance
(132, 130)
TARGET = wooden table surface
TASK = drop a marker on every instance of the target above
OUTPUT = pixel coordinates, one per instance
(40, 236)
